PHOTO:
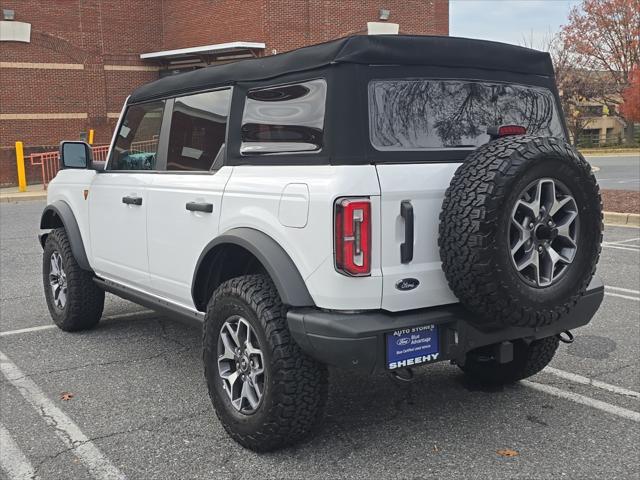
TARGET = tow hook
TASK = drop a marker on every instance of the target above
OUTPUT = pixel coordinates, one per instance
(405, 377)
(566, 337)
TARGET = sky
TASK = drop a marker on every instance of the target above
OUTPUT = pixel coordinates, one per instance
(509, 21)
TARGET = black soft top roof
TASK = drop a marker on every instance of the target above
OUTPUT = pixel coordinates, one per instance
(360, 49)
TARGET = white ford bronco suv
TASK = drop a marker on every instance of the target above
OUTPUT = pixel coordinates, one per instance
(373, 203)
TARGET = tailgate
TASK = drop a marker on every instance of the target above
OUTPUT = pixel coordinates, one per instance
(423, 187)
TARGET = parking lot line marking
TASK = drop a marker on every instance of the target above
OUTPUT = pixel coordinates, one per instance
(620, 289)
(627, 248)
(583, 400)
(70, 434)
(618, 242)
(622, 296)
(26, 330)
(141, 313)
(574, 377)
(12, 460)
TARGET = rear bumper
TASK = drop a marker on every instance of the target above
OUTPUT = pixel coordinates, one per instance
(357, 340)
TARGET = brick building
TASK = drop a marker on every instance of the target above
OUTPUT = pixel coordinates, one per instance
(67, 67)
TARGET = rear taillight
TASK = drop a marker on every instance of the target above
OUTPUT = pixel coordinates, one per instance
(353, 236)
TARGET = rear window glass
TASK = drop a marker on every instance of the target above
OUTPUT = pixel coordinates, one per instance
(284, 119)
(440, 114)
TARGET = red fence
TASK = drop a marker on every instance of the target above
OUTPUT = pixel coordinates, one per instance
(49, 162)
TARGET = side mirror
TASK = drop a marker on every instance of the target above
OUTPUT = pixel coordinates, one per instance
(75, 155)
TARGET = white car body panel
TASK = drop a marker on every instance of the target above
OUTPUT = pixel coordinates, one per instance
(119, 231)
(177, 236)
(252, 199)
(424, 185)
(69, 186)
(155, 247)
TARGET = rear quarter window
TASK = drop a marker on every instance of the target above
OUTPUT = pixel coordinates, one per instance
(284, 119)
(423, 114)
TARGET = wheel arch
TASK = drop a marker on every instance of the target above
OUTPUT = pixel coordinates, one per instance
(245, 250)
(60, 215)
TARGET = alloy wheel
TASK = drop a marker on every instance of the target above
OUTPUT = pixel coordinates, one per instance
(58, 281)
(543, 235)
(241, 364)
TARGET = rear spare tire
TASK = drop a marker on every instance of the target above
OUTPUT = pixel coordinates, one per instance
(520, 230)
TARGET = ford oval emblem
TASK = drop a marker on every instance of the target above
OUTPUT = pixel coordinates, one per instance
(407, 284)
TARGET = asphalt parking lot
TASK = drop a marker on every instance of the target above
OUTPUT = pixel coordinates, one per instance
(140, 410)
(617, 172)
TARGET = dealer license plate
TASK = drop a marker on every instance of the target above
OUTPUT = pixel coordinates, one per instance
(412, 346)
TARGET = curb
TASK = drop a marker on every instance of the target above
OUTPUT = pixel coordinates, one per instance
(610, 153)
(23, 197)
(628, 219)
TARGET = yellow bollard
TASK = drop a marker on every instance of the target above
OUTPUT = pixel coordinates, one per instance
(91, 136)
(22, 177)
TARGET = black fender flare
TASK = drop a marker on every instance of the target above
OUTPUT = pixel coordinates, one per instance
(278, 264)
(63, 211)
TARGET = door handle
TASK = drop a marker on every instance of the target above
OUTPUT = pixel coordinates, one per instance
(132, 200)
(199, 207)
(406, 248)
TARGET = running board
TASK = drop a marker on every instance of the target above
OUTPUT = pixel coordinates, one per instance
(172, 310)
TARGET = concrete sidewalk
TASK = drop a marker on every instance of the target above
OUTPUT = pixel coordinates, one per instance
(11, 194)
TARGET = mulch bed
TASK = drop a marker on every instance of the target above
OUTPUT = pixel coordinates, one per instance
(623, 201)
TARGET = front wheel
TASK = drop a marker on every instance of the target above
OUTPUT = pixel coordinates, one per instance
(528, 359)
(75, 302)
(266, 392)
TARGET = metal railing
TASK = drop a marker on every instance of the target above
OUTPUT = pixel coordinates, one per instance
(597, 139)
(590, 140)
(49, 162)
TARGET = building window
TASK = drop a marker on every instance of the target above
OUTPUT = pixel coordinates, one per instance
(284, 119)
(442, 114)
(198, 130)
(137, 142)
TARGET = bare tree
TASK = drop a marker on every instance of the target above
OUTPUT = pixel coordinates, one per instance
(577, 85)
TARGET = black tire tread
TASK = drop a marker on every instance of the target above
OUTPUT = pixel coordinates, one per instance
(300, 384)
(468, 222)
(85, 300)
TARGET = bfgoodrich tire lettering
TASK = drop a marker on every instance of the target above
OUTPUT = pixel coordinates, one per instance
(474, 230)
(294, 387)
(83, 301)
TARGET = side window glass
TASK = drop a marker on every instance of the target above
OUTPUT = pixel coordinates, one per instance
(284, 119)
(137, 142)
(198, 128)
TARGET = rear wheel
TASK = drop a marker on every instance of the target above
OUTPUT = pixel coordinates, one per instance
(266, 392)
(75, 302)
(528, 359)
